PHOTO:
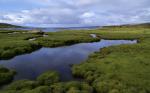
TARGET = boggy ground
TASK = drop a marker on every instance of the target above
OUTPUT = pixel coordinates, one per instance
(14, 43)
(119, 69)
(115, 69)
(48, 82)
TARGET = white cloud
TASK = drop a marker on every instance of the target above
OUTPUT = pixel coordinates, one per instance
(15, 18)
(84, 12)
(88, 15)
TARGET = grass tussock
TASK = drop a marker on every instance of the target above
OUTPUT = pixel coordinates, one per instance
(47, 83)
(6, 76)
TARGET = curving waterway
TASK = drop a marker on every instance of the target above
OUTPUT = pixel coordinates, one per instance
(29, 66)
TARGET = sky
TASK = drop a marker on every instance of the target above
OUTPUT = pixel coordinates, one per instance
(56, 13)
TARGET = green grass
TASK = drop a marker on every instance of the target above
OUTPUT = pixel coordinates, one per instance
(119, 69)
(65, 38)
(48, 78)
(47, 83)
(115, 69)
(15, 44)
(6, 76)
(18, 43)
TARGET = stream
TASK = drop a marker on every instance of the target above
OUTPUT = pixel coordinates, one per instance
(29, 66)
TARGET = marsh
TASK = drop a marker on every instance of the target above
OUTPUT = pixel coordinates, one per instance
(29, 66)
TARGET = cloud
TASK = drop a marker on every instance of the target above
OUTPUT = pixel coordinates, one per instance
(73, 12)
(85, 2)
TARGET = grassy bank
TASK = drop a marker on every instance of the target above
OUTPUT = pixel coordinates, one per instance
(17, 42)
(6, 76)
(65, 38)
(48, 82)
(119, 69)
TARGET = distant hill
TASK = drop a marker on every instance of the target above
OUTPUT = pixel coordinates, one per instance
(144, 25)
(5, 25)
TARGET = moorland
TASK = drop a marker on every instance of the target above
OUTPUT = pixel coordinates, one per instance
(115, 69)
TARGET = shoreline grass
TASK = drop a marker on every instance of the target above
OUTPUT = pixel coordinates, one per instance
(6, 76)
(119, 69)
(115, 69)
(18, 43)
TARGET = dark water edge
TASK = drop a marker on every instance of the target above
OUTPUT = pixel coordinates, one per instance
(29, 66)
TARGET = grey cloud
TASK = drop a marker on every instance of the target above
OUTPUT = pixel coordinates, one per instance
(82, 12)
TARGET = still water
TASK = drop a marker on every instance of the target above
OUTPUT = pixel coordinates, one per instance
(29, 66)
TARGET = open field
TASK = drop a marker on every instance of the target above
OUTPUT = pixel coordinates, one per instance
(115, 69)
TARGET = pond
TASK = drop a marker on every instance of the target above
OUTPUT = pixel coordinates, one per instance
(29, 66)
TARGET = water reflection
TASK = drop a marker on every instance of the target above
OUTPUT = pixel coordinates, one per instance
(29, 66)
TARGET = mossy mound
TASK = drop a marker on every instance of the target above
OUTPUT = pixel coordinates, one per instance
(72, 87)
(47, 82)
(48, 78)
(6, 75)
